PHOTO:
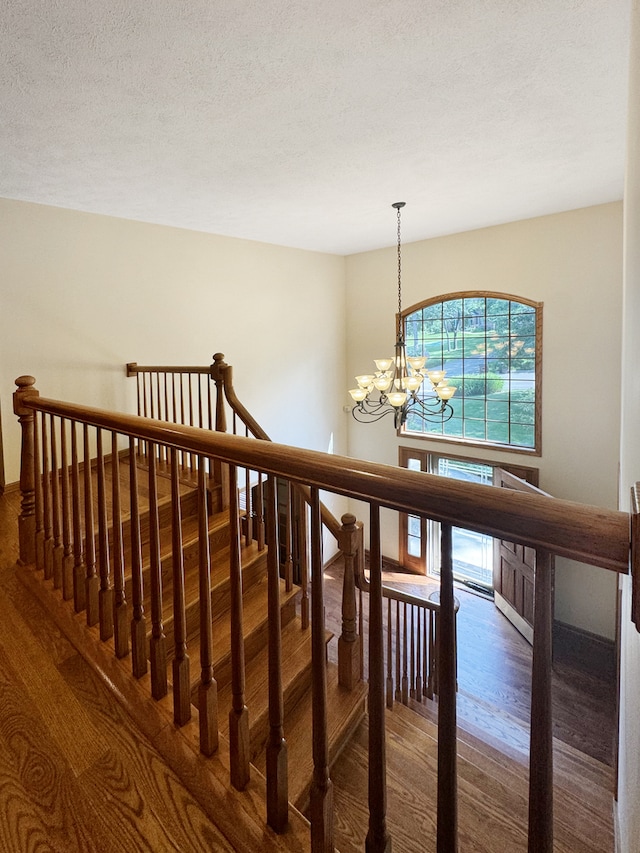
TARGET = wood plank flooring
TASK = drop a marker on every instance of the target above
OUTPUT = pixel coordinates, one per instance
(494, 671)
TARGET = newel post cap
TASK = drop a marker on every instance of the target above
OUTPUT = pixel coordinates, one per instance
(26, 388)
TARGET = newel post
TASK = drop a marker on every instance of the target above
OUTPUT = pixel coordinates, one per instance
(218, 373)
(27, 519)
(349, 641)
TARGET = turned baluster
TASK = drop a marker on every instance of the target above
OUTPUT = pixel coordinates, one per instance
(433, 655)
(174, 411)
(200, 406)
(389, 655)
(192, 456)
(210, 421)
(259, 526)
(142, 445)
(321, 795)
(277, 778)
(120, 608)
(418, 643)
(138, 394)
(158, 642)
(105, 596)
(138, 620)
(46, 501)
(67, 514)
(405, 656)
(38, 493)
(208, 689)
(302, 560)
(152, 397)
(55, 503)
(164, 450)
(360, 572)
(248, 509)
(92, 582)
(180, 663)
(447, 831)
(541, 747)
(288, 537)
(239, 742)
(378, 839)
(426, 654)
(79, 570)
(349, 640)
(412, 658)
(398, 695)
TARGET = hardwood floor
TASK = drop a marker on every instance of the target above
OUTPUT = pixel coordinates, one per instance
(494, 673)
(494, 670)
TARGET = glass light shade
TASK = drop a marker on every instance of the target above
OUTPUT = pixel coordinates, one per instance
(434, 375)
(364, 381)
(397, 399)
(446, 393)
(411, 383)
(358, 394)
(382, 383)
(383, 364)
(417, 361)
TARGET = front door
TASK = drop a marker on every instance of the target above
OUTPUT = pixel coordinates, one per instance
(514, 567)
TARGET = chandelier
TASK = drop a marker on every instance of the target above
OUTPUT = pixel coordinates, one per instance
(402, 385)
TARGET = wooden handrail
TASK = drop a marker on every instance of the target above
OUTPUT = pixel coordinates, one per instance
(588, 534)
(133, 369)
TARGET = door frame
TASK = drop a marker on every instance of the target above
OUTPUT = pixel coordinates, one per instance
(419, 565)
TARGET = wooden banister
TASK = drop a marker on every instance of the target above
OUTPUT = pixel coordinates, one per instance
(588, 534)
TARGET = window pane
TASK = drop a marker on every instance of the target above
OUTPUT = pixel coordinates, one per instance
(413, 547)
(487, 346)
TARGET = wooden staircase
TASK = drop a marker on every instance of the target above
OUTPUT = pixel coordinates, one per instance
(346, 707)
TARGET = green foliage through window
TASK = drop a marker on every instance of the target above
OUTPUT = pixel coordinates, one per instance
(488, 345)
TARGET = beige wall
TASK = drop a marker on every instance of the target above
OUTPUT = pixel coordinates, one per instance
(572, 263)
(84, 294)
(629, 767)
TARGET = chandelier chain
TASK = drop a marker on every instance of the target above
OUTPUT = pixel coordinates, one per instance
(399, 330)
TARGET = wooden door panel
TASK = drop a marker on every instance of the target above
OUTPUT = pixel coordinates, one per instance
(514, 567)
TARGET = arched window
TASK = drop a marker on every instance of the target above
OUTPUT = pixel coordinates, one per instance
(490, 346)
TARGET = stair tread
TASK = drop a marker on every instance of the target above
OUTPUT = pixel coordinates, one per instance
(345, 708)
(296, 659)
(254, 614)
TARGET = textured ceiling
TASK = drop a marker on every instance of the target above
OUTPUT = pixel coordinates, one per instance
(299, 122)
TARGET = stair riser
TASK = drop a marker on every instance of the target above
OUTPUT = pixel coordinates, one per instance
(253, 642)
(218, 539)
(292, 695)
